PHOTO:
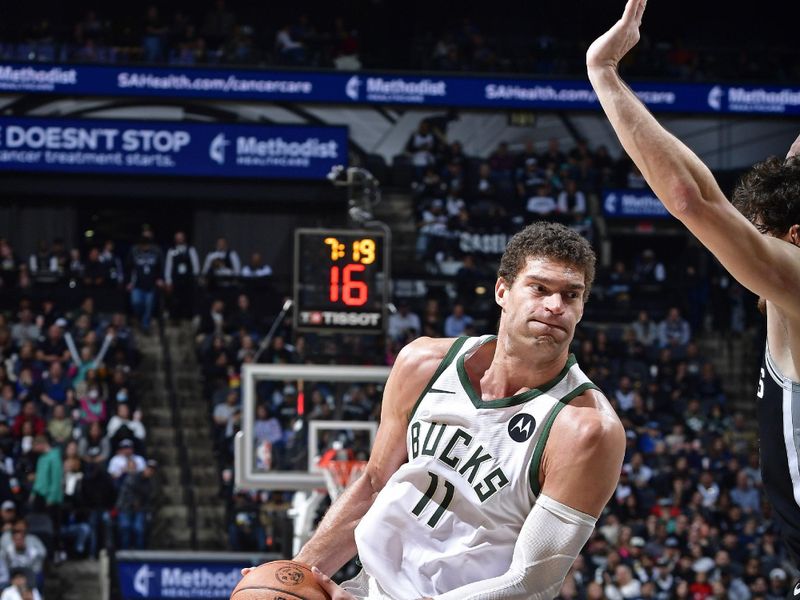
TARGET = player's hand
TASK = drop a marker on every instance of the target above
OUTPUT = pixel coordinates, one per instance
(334, 591)
(795, 149)
(609, 48)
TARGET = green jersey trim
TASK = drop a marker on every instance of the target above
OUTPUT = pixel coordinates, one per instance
(511, 400)
(536, 459)
(448, 358)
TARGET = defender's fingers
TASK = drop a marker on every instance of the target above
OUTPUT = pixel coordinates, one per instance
(641, 5)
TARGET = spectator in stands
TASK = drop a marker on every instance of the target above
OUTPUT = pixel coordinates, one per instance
(124, 425)
(542, 202)
(29, 414)
(572, 203)
(290, 50)
(53, 348)
(648, 270)
(673, 331)
(95, 272)
(243, 318)
(404, 325)
(221, 263)
(22, 550)
(94, 439)
(553, 153)
(181, 270)
(218, 23)
(8, 265)
(458, 322)
(501, 163)
(92, 406)
(59, 426)
(645, 329)
(224, 414)
(154, 36)
(56, 388)
(25, 329)
(134, 504)
(422, 146)
(98, 496)
(74, 525)
(47, 492)
(146, 265)
(116, 274)
(256, 268)
(125, 456)
(42, 264)
(432, 231)
(20, 587)
(9, 403)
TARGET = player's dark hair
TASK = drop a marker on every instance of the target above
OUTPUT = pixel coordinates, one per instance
(769, 195)
(548, 240)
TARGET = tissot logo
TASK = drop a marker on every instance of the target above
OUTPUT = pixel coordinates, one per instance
(521, 427)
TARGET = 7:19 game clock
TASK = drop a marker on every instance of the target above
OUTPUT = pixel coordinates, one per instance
(341, 280)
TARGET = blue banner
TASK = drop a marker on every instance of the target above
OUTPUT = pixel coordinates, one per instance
(633, 204)
(383, 88)
(160, 579)
(180, 149)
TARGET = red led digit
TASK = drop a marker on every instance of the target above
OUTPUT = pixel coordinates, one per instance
(334, 287)
(354, 292)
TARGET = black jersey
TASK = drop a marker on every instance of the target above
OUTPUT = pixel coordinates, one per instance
(778, 402)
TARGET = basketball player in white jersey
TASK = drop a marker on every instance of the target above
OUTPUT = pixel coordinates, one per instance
(495, 455)
(758, 246)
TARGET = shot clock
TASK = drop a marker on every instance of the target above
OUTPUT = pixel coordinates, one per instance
(340, 280)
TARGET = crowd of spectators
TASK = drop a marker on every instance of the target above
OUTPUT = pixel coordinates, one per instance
(225, 33)
(185, 36)
(73, 473)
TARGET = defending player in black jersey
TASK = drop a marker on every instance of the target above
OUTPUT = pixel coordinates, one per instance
(758, 246)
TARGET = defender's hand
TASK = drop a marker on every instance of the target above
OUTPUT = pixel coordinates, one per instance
(334, 591)
(609, 48)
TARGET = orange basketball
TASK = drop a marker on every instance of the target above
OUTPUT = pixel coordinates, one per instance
(279, 580)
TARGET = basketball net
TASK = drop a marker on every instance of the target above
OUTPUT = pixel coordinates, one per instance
(341, 473)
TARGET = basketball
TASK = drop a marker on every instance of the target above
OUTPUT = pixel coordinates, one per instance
(279, 580)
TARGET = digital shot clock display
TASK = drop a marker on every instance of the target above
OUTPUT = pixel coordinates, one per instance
(341, 280)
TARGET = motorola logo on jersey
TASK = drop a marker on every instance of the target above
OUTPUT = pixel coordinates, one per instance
(521, 427)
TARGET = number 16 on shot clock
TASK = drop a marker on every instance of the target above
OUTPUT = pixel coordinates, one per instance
(341, 280)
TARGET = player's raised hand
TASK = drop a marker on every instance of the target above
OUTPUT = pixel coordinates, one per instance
(609, 48)
(795, 149)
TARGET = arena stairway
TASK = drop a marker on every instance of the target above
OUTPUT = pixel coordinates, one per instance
(76, 580)
(200, 481)
(737, 359)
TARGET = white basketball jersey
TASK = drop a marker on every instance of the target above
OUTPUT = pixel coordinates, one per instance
(452, 513)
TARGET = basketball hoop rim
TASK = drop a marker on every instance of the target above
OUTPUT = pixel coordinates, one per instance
(339, 474)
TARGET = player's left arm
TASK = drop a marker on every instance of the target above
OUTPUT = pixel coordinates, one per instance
(579, 472)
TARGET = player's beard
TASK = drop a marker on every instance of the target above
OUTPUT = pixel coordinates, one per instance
(762, 306)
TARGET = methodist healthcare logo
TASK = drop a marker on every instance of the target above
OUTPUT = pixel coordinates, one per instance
(351, 88)
(277, 151)
(33, 79)
(216, 150)
(715, 97)
(141, 580)
(762, 100)
(174, 580)
(632, 203)
(406, 91)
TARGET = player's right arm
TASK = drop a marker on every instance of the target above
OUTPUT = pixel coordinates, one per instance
(333, 543)
(765, 265)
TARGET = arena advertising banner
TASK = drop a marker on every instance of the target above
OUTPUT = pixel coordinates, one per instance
(383, 88)
(162, 579)
(170, 149)
(633, 204)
